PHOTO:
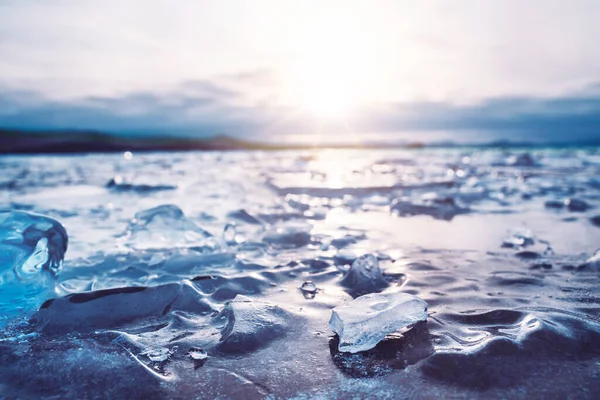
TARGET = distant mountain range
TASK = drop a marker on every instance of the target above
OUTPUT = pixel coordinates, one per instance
(16, 141)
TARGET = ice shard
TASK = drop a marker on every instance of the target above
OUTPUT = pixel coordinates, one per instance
(32, 249)
(368, 319)
(365, 276)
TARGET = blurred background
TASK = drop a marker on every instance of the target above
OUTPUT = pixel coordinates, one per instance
(236, 74)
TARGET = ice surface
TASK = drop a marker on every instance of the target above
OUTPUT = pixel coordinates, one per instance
(182, 320)
(32, 248)
(113, 308)
(162, 301)
(368, 319)
(164, 227)
(365, 276)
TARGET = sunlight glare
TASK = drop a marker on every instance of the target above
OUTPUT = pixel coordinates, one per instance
(331, 69)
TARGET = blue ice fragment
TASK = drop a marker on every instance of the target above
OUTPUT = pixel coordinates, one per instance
(32, 249)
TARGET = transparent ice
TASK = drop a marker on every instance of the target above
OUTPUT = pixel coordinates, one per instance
(367, 320)
(32, 249)
(518, 237)
(164, 226)
(309, 287)
(197, 354)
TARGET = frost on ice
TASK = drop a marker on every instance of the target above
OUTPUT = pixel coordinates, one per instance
(368, 319)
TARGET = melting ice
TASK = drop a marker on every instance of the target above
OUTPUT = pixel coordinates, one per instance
(214, 275)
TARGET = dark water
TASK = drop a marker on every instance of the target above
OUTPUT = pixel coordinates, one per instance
(183, 272)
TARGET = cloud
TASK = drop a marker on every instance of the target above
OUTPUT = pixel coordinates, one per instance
(410, 50)
(495, 113)
(192, 107)
(205, 108)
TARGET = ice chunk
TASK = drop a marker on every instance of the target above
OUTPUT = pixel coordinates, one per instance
(444, 208)
(366, 321)
(576, 205)
(554, 204)
(24, 230)
(522, 160)
(197, 354)
(244, 216)
(32, 248)
(573, 205)
(157, 354)
(248, 324)
(119, 184)
(309, 289)
(518, 237)
(113, 308)
(365, 276)
(594, 261)
(290, 235)
(164, 227)
(230, 234)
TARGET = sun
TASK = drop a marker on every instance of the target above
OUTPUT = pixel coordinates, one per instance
(328, 75)
(323, 90)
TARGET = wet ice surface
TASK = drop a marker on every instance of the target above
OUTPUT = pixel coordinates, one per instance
(213, 275)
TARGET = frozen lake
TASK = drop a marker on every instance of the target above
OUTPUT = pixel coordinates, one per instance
(160, 244)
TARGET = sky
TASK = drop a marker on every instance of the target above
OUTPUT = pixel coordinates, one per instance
(304, 70)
